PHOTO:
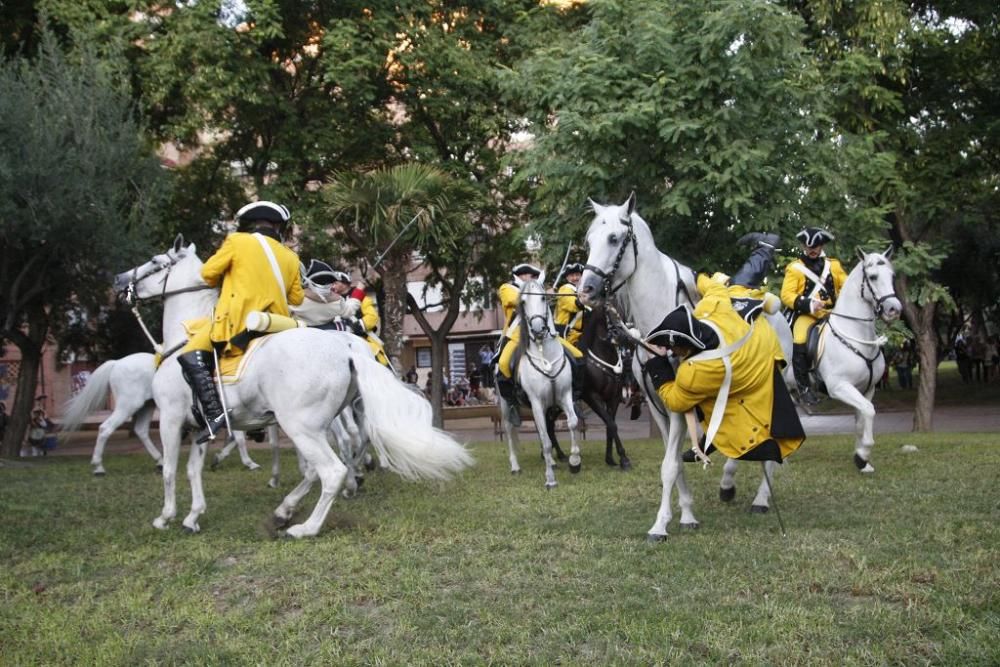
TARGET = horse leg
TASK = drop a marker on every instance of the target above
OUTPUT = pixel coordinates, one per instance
(671, 474)
(195, 466)
(612, 426)
(762, 501)
(222, 454)
(331, 472)
(864, 422)
(171, 428)
(512, 439)
(571, 423)
(241, 444)
(550, 428)
(117, 417)
(727, 485)
(538, 412)
(339, 441)
(595, 404)
(272, 438)
(283, 513)
(141, 422)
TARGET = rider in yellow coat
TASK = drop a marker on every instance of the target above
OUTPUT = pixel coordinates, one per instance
(509, 295)
(569, 311)
(257, 273)
(363, 314)
(811, 286)
(758, 419)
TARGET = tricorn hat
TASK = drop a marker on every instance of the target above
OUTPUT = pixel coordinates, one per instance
(814, 236)
(526, 268)
(681, 327)
(320, 273)
(575, 267)
(263, 211)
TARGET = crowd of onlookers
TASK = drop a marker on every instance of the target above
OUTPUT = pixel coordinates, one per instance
(977, 357)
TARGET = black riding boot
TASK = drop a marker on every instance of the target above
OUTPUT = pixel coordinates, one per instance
(507, 391)
(800, 366)
(578, 366)
(755, 269)
(197, 367)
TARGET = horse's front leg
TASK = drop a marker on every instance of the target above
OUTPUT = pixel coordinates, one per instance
(510, 431)
(571, 423)
(538, 412)
(171, 430)
(864, 421)
(195, 466)
(671, 474)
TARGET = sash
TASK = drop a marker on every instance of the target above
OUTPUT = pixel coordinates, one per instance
(274, 266)
(724, 353)
(818, 281)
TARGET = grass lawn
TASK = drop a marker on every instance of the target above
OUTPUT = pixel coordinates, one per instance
(950, 391)
(902, 567)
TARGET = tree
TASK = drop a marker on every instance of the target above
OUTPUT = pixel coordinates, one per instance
(77, 182)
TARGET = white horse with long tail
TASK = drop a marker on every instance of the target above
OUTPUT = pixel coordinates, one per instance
(851, 361)
(544, 374)
(624, 264)
(301, 379)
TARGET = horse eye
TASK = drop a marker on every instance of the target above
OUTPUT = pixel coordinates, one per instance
(872, 276)
(612, 239)
(880, 263)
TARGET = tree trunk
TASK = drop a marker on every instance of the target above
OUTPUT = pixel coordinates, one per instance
(394, 308)
(927, 351)
(30, 346)
(439, 353)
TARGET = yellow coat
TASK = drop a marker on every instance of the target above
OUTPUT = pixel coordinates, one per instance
(796, 285)
(567, 310)
(248, 282)
(369, 314)
(746, 422)
(508, 295)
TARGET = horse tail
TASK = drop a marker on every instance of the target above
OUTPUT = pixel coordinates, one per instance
(92, 396)
(398, 424)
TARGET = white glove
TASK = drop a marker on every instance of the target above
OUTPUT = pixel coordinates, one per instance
(815, 305)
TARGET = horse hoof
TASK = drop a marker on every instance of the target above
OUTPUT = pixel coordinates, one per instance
(694, 525)
(626, 464)
(253, 466)
(370, 465)
(273, 483)
(159, 468)
(868, 469)
(99, 473)
(280, 522)
(551, 485)
(575, 469)
(515, 472)
(727, 495)
(359, 481)
(611, 463)
(652, 538)
(191, 531)
(759, 509)
(160, 523)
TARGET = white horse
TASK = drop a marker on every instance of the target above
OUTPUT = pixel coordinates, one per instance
(851, 361)
(301, 379)
(624, 264)
(544, 374)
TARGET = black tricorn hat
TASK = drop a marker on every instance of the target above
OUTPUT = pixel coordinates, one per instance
(814, 236)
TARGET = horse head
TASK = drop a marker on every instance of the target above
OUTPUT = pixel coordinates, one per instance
(613, 253)
(535, 313)
(877, 287)
(179, 265)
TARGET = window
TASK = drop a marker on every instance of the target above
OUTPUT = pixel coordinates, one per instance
(423, 357)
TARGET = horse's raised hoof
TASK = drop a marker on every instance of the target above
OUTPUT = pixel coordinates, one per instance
(575, 468)
(626, 464)
(280, 522)
(759, 509)
(862, 465)
(694, 525)
(727, 495)
(253, 465)
(652, 538)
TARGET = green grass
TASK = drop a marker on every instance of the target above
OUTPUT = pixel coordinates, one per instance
(951, 391)
(897, 568)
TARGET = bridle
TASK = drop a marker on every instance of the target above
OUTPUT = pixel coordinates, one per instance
(546, 332)
(130, 298)
(607, 277)
(879, 301)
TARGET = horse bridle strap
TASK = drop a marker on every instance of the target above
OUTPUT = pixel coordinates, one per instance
(879, 300)
(608, 276)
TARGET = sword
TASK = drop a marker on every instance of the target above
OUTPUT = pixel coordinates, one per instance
(222, 399)
(562, 268)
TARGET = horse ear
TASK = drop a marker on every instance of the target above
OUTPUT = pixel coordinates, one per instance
(860, 251)
(594, 205)
(888, 252)
(630, 203)
(178, 243)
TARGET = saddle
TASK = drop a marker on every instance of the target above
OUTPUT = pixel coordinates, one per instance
(815, 343)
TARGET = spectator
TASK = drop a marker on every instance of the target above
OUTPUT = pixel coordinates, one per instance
(962, 359)
(993, 354)
(37, 430)
(977, 358)
(904, 360)
(474, 380)
(485, 361)
(411, 376)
